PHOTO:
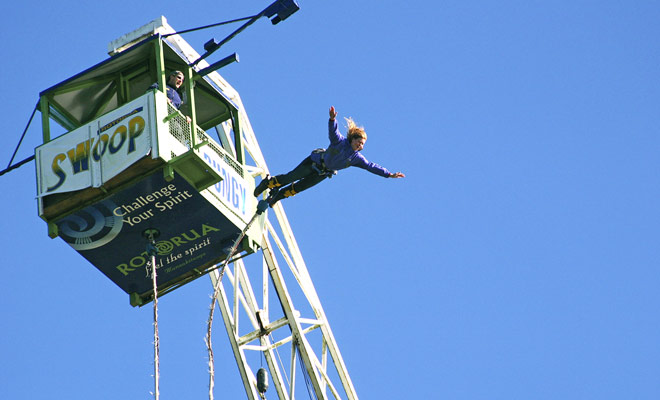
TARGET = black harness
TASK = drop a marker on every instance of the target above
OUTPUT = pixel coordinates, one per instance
(320, 168)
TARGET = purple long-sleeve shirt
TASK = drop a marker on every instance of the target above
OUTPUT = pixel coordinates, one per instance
(341, 155)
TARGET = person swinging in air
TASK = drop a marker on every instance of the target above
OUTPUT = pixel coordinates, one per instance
(343, 152)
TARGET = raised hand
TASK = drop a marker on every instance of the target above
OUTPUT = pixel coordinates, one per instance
(333, 113)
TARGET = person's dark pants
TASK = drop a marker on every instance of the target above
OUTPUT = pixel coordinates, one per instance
(303, 177)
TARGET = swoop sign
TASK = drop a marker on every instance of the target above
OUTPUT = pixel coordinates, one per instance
(94, 153)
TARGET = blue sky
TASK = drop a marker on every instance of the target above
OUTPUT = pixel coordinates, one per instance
(517, 260)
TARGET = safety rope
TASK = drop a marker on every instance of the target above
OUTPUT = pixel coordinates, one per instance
(261, 207)
(151, 250)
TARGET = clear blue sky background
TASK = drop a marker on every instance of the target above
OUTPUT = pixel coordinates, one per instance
(519, 258)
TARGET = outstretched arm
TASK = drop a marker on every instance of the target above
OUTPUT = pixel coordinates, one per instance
(361, 162)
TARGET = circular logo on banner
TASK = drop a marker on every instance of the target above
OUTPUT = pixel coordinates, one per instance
(164, 247)
(91, 227)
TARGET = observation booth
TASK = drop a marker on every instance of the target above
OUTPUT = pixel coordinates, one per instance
(132, 168)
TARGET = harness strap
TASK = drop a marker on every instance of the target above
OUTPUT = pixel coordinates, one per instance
(321, 169)
(323, 160)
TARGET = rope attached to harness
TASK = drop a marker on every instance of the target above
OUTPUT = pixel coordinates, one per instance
(261, 207)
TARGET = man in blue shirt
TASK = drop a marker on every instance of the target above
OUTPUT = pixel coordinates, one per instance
(174, 82)
(343, 152)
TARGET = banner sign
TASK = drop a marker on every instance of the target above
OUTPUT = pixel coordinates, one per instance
(110, 234)
(231, 190)
(96, 152)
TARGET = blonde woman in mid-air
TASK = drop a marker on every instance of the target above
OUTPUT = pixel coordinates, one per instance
(343, 152)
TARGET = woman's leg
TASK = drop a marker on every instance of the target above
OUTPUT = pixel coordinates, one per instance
(296, 187)
(303, 169)
(306, 182)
